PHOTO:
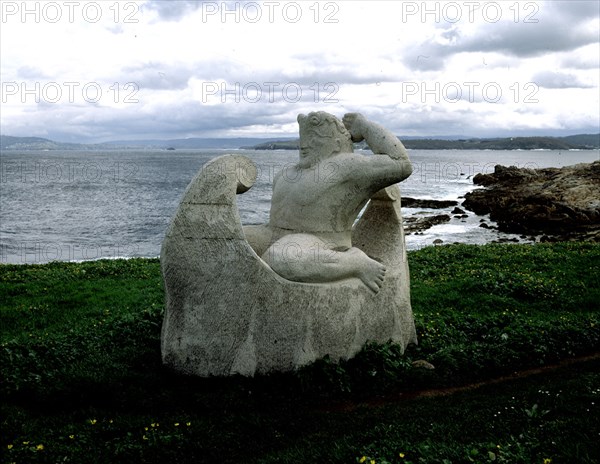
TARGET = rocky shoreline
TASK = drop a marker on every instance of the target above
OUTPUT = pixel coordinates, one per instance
(541, 205)
(555, 203)
(417, 224)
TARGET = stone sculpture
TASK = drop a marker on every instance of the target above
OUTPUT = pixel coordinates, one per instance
(313, 281)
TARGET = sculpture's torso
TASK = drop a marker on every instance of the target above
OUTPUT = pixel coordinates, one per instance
(323, 200)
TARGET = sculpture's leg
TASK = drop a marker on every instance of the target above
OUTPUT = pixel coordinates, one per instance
(307, 258)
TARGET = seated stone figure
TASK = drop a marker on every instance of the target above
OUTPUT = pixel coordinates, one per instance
(316, 202)
(312, 282)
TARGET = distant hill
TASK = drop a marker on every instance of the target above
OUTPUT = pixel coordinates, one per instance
(571, 142)
(289, 144)
(8, 142)
(511, 143)
(592, 140)
(189, 143)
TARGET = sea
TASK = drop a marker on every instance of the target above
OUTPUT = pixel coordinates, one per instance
(87, 205)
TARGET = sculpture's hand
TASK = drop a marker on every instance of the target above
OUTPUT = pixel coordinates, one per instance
(356, 125)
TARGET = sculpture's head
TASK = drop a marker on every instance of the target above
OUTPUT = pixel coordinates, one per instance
(321, 135)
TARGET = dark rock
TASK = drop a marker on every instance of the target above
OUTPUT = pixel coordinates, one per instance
(506, 240)
(505, 174)
(438, 241)
(484, 225)
(563, 203)
(408, 202)
(457, 210)
(418, 224)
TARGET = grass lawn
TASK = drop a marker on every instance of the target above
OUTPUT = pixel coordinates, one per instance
(82, 381)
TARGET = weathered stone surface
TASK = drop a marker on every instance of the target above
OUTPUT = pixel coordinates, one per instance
(562, 202)
(229, 311)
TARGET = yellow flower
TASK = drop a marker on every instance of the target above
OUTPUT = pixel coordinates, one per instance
(71, 437)
(188, 423)
(39, 447)
(176, 424)
(372, 461)
(25, 442)
(144, 437)
(401, 455)
(10, 446)
(363, 459)
(547, 461)
(93, 421)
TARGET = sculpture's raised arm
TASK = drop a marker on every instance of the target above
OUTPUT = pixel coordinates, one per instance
(396, 165)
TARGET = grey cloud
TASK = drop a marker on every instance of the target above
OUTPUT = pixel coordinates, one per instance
(172, 10)
(31, 72)
(158, 76)
(181, 119)
(317, 68)
(573, 9)
(560, 27)
(178, 119)
(558, 80)
(163, 76)
(528, 40)
(578, 62)
(421, 119)
(314, 70)
(553, 26)
(431, 54)
(167, 76)
(427, 59)
(339, 76)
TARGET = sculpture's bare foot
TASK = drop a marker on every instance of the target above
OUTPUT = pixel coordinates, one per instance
(371, 272)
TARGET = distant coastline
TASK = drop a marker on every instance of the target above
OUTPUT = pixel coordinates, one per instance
(571, 142)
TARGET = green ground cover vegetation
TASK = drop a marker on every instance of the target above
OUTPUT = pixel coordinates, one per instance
(82, 379)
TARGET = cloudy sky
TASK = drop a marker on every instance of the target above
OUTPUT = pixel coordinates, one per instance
(107, 70)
